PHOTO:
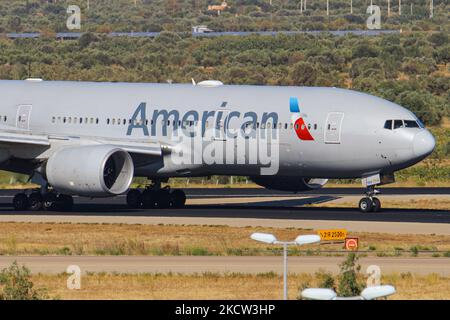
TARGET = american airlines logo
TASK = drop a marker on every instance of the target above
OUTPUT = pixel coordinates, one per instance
(226, 121)
(213, 137)
(300, 126)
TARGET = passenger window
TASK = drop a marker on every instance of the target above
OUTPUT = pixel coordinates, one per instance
(398, 124)
(411, 124)
(315, 126)
(388, 124)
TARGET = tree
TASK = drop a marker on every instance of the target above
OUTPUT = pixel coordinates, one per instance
(349, 285)
(304, 74)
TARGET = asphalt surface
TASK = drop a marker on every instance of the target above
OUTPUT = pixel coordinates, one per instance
(272, 209)
(200, 264)
(261, 192)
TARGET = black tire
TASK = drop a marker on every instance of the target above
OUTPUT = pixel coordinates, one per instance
(177, 199)
(49, 201)
(134, 199)
(365, 205)
(376, 205)
(162, 198)
(20, 202)
(148, 199)
(35, 202)
(65, 202)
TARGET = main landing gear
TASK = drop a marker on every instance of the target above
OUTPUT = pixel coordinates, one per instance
(370, 203)
(37, 201)
(156, 197)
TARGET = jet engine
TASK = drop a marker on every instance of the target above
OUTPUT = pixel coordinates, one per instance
(94, 171)
(293, 184)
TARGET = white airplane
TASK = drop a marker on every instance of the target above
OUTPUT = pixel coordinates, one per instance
(91, 139)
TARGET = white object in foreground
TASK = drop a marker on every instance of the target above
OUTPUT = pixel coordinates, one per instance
(369, 293)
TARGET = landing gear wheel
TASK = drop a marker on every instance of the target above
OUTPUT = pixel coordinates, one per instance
(376, 205)
(35, 202)
(177, 199)
(65, 202)
(49, 200)
(148, 199)
(162, 198)
(365, 205)
(134, 199)
(20, 202)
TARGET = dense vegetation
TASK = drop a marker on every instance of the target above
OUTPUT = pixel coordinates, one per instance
(411, 68)
(242, 15)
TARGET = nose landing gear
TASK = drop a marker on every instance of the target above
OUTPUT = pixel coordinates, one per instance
(370, 203)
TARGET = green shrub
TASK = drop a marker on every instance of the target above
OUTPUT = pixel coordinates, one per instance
(15, 284)
(349, 285)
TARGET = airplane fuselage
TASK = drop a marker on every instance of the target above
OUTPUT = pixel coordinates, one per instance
(319, 132)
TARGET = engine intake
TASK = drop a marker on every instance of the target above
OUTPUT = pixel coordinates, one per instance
(293, 184)
(94, 171)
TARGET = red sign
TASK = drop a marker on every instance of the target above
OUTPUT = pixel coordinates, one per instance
(351, 243)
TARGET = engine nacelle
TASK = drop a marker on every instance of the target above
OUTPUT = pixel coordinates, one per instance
(93, 171)
(293, 184)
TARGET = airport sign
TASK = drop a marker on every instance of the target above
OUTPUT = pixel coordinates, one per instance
(333, 234)
(351, 244)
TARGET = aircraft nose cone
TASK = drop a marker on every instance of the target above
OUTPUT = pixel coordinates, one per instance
(423, 143)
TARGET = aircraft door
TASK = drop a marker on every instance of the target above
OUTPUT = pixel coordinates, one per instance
(333, 127)
(23, 116)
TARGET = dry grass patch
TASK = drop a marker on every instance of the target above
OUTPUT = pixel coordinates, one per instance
(221, 286)
(157, 240)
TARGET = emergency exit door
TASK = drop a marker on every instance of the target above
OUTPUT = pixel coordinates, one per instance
(23, 116)
(333, 127)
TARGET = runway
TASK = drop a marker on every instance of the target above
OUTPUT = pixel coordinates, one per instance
(200, 264)
(253, 207)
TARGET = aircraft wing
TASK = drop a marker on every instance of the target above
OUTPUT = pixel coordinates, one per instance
(148, 148)
(19, 136)
(23, 137)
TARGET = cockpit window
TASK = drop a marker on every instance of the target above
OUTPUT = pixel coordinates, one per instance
(411, 124)
(403, 124)
(398, 124)
(421, 125)
(388, 124)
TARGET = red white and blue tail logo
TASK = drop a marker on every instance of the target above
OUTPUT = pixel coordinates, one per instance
(300, 127)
